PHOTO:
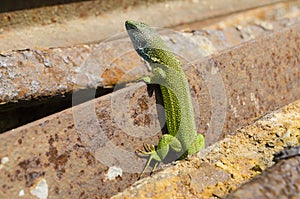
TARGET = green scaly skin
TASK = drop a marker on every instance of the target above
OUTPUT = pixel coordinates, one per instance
(182, 135)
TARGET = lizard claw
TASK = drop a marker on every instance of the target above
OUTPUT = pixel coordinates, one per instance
(148, 149)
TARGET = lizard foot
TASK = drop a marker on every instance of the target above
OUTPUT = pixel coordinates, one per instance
(148, 150)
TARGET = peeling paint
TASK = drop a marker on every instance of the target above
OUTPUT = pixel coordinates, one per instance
(21, 193)
(254, 99)
(4, 160)
(40, 190)
(235, 112)
(113, 172)
(265, 25)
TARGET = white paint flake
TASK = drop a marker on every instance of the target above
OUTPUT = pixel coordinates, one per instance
(40, 190)
(21, 193)
(4, 160)
(113, 172)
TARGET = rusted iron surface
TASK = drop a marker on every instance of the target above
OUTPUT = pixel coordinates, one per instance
(62, 150)
(252, 75)
(82, 151)
(256, 77)
(280, 181)
(29, 74)
(226, 165)
(36, 74)
(260, 16)
(92, 21)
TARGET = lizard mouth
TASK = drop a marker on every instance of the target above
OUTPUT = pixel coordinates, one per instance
(130, 25)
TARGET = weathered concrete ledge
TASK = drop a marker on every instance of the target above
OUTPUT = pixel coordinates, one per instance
(224, 166)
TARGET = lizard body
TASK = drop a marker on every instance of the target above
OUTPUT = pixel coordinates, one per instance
(182, 135)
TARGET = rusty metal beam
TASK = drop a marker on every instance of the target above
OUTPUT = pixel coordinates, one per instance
(34, 74)
(77, 151)
(93, 21)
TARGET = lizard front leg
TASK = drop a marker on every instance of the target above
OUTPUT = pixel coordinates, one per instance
(167, 141)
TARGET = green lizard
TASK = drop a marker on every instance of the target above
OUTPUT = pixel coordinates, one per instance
(182, 135)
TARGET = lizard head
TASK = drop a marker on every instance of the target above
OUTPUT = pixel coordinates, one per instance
(146, 41)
